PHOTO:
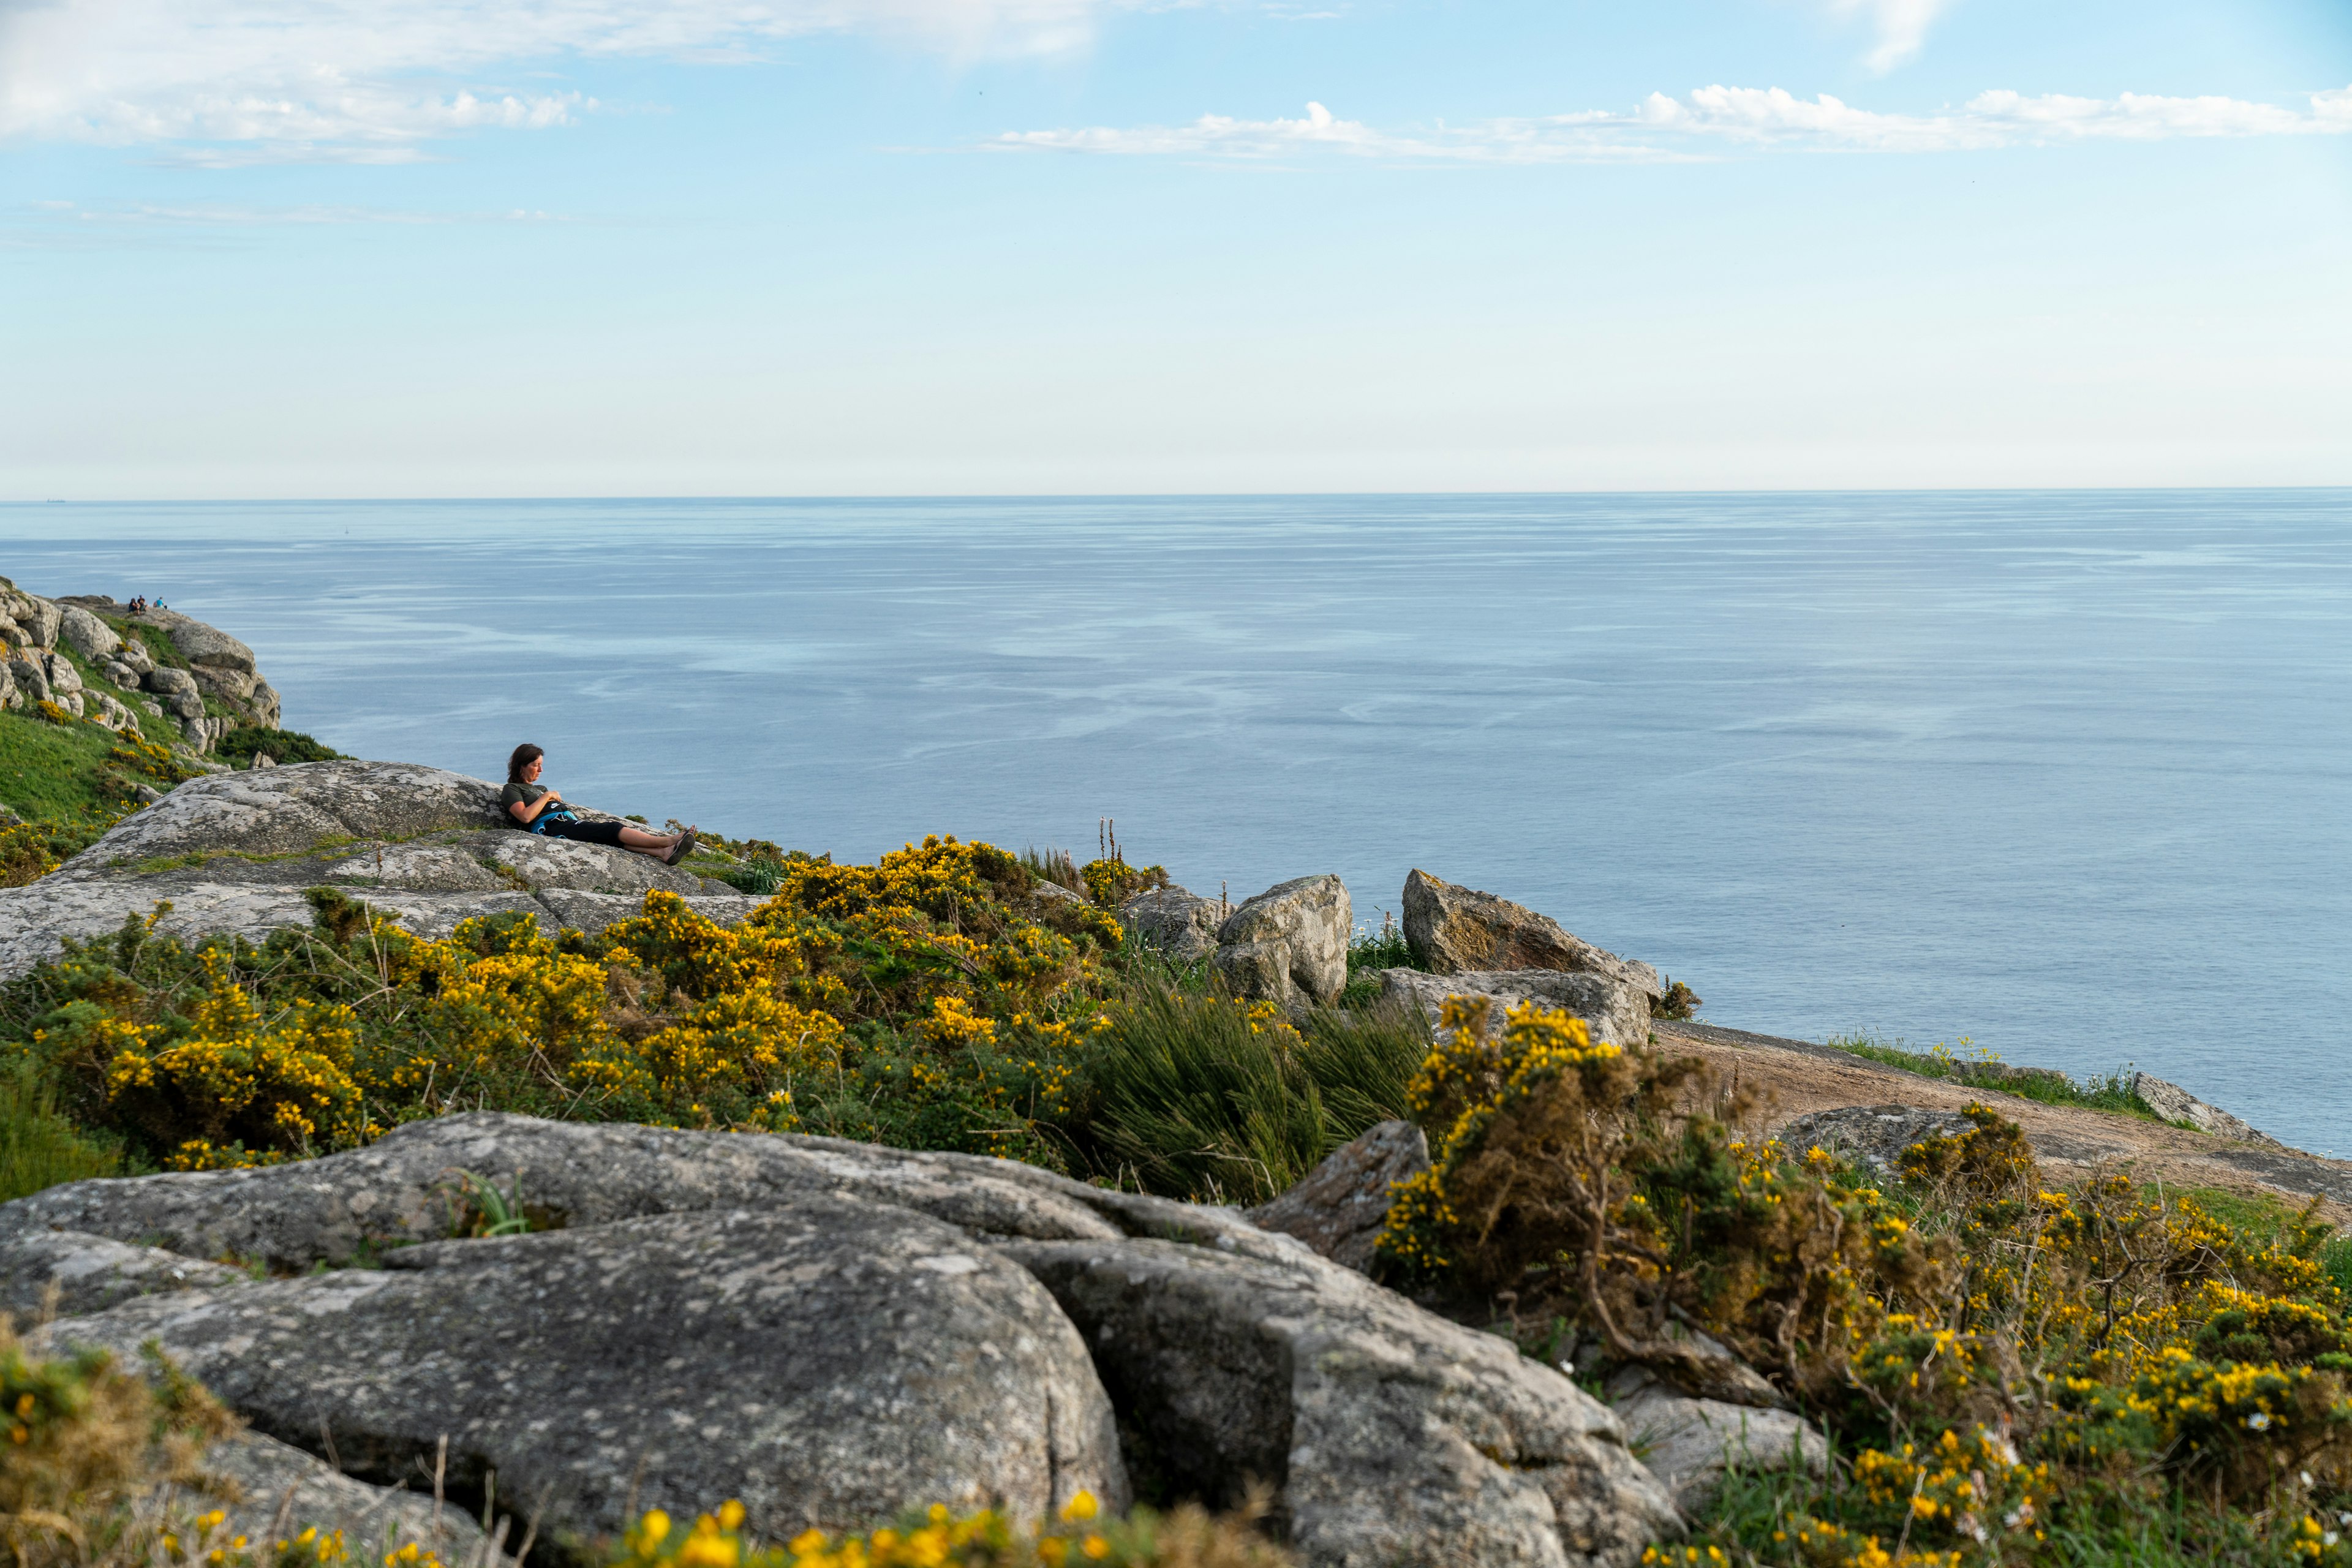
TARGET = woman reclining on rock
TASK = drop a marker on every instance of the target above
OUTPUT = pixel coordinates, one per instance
(541, 810)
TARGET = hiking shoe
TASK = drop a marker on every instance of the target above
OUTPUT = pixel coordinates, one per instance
(681, 849)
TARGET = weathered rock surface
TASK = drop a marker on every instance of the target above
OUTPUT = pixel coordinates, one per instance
(1339, 1210)
(90, 1273)
(1874, 1137)
(30, 674)
(1616, 1013)
(1289, 944)
(271, 1481)
(1690, 1445)
(828, 1362)
(40, 618)
(232, 853)
(1180, 924)
(584, 868)
(2174, 1103)
(199, 644)
(1394, 1435)
(86, 634)
(293, 810)
(1454, 930)
(400, 1188)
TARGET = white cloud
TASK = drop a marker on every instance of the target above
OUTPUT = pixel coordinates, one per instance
(1666, 129)
(370, 80)
(1901, 26)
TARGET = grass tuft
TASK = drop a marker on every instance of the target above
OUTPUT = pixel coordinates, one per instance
(1976, 1068)
(38, 1147)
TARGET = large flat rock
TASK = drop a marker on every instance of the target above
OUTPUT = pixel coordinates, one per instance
(232, 854)
(291, 810)
(828, 1362)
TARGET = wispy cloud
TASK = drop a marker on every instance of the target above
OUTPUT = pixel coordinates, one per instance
(70, 225)
(1662, 128)
(362, 80)
(1901, 26)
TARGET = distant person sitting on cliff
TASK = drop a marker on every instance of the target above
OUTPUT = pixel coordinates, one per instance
(541, 810)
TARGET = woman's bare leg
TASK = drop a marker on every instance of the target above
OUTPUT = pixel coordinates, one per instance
(654, 844)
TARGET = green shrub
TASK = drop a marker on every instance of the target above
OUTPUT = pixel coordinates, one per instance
(238, 746)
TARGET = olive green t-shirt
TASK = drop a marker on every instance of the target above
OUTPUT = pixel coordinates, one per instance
(516, 795)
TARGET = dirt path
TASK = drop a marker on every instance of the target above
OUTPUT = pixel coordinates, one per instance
(1794, 1077)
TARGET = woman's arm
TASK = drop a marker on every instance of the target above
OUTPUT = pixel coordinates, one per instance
(527, 812)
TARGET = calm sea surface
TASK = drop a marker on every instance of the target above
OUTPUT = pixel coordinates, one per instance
(2065, 774)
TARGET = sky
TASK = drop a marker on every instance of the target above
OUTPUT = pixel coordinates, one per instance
(265, 248)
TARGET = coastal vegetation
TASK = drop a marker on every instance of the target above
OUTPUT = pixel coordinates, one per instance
(2011, 1367)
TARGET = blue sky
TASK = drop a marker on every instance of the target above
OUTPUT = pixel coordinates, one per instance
(325, 248)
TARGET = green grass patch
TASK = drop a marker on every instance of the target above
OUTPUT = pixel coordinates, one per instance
(1369, 952)
(1192, 1094)
(1978, 1069)
(54, 772)
(38, 1147)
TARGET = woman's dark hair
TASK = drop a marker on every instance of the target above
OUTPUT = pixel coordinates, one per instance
(524, 755)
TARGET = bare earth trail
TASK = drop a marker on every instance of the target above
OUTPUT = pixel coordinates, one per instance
(1793, 1078)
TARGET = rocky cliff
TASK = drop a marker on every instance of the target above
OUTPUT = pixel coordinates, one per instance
(99, 659)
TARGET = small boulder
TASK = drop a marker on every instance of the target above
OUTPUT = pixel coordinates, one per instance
(1454, 930)
(224, 682)
(1617, 1014)
(110, 714)
(63, 676)
(1690, 1445)
(86, 634)
(31, 677)
(168, 683)
(1874, 1137)
(1180, 924)
(1339, 1209)
(200, 644)
(2174, 1103)
(270, 1481)
(1289, 944)
(40, 618)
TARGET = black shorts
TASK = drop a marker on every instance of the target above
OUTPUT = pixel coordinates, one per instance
(605, 832)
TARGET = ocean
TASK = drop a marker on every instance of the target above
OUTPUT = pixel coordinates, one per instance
(2062, 774)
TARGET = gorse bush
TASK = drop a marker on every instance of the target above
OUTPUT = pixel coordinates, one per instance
(2017, 1369)
(87, 1444)
(927, 1000)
